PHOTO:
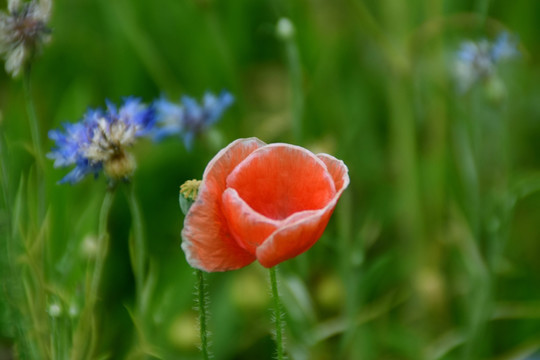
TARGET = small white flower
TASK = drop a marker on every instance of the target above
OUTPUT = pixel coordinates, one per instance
(73, 310)
(285, 29)
(89, 247)
(54, 310)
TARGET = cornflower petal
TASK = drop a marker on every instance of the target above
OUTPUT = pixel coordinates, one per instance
(476, 61)
(188, 119)
(100, 140)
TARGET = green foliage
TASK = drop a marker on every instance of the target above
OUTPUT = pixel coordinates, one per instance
(432, 253)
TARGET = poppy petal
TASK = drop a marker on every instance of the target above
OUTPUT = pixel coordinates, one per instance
(248, 227)
(301, 232)
(338, 170)
(278, 180)
(206, 239)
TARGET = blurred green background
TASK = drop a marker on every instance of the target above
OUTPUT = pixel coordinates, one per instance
(432, 253)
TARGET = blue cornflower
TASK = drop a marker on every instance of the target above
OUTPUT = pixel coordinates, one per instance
(99, 141)
(504, 47)
(478, 60)
(22, 31)
(188, 118)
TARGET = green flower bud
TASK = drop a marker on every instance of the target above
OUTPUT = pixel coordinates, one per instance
(188, 193)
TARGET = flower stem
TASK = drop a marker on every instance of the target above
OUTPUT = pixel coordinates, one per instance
(277, 313)
(295, 74)
(84, 341)
(36, 141)
(138, 251)
(103, 244)
(203, 303)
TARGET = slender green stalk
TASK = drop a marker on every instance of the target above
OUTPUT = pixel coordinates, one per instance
(138, 251)
(84, 340)
(202, 299)
(4, 179)
(393, 56)
(36, 142)
(483, 9)
(278, 314)
(103, 245)
(123, 16)
(295, 71)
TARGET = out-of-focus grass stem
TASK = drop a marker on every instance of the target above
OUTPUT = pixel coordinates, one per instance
(295, 70)
(103, 244)
(483, 9)
(84, 341)
(122, 14)
(404, 155)
(38, 342)
(286, 31)
(4, 183)
(36, 141)
(350, 251)
(395, 58)
(403, 134)
(138, 251)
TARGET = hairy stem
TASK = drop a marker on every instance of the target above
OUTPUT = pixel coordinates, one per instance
(277, 313)
(203, 303)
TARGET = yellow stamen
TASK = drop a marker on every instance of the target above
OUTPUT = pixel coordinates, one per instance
(190, 189)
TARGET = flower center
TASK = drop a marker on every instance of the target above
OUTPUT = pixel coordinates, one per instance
(280, 180)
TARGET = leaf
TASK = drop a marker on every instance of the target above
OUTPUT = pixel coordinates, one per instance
(523, 351)
(525, 186)
(150, 284)
(517, 310)
(297, 299)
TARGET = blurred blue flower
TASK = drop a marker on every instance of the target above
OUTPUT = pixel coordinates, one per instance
(22, 31)
(188, 118)
(477, 61)
(100, 139)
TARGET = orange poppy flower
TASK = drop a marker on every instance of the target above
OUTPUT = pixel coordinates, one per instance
(261, 202)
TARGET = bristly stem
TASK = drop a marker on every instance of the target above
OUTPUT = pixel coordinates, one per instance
(36, 141)
(277, 313)
(203, 304)
(138, 253)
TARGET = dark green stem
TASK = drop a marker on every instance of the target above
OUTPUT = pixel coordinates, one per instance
(138, 253)
(203, 303)
(277, 313)
(36, 142)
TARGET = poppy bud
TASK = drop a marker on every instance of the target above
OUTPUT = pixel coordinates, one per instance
(188, 194)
